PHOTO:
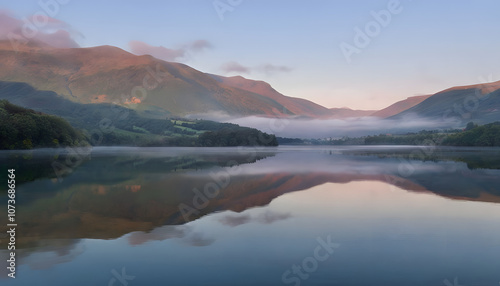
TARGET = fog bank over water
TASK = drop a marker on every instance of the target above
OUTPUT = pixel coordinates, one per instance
(352, 127)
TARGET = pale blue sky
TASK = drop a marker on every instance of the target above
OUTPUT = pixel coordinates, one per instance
(427, 47)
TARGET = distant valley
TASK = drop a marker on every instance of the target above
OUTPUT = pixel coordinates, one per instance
(153, 88)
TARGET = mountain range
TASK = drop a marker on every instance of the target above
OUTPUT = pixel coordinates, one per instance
(479, 103)
(157, 88)
(109, 74)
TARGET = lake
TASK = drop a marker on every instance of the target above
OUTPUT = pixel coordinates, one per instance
(347, 215)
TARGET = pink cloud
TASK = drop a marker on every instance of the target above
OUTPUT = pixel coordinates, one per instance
(58, 39)
(50, 20)
(271, 69)
(141, 48)
(47, 30)
(8, 23)
(234, 67)
(163, 53)
(200, 45)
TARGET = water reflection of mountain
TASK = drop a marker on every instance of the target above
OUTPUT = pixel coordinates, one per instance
(61, 163)
(114, 194)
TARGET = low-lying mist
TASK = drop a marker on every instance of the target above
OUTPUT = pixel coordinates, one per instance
(336, 128)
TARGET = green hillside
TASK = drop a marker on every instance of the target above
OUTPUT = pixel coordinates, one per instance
(480, 104)
(22, 128)
(106, 124)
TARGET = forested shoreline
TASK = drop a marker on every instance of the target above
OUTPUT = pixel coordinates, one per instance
(487, 135)
(22, 128)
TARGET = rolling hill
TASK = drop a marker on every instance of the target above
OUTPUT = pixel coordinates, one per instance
(107, 74)
(344, 112)
(293, 105)
(478, 103)
(156, 88)
(109, 124)
(400, 106)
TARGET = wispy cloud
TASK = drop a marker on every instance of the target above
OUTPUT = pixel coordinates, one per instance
(234, 67)
(59, 39)
(167, 54)
(51, 31)
(199, 45)
(267, 68)
(141, 48)
(272, 69)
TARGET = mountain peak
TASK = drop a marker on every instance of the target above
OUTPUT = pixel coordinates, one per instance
(110, 74)
(484, 87)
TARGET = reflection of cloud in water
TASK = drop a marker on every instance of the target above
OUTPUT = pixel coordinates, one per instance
(159, 234)
(317, 162)
(198, 239)
(233, 221)
(47, 258)
(267, 217)
(184, 233)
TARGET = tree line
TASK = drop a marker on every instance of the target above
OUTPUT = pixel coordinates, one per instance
(22, 128)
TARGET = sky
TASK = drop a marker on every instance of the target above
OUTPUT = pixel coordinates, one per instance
(354, 53)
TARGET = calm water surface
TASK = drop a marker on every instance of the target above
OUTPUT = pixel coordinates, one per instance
(382, 215)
